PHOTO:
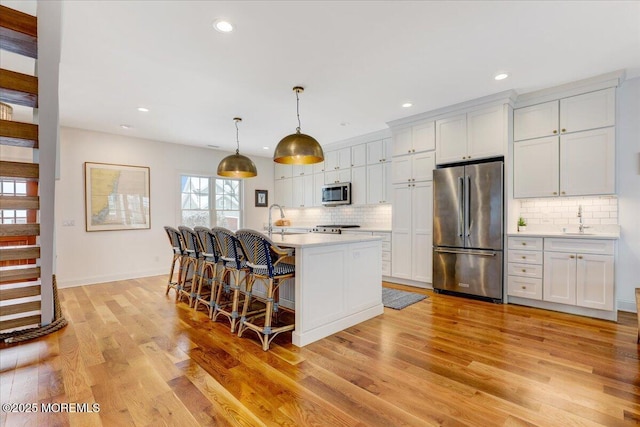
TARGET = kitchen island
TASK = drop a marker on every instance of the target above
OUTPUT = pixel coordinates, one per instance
(338, 282)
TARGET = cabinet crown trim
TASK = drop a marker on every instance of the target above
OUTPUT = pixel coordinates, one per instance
(580, 87)
(504, 97)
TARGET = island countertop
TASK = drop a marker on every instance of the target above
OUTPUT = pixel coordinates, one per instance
(319, 239)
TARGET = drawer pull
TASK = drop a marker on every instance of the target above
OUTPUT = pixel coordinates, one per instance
(524, 257)
(572, 256)
(524, 271)
(579, 256)
(524, 287)
(524, 243)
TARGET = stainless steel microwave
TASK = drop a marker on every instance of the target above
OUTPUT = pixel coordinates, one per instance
(336, 194)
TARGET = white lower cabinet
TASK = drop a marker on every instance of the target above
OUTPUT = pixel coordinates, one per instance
(386, 247)
(524, 270)
(572, 272)
(412, 235)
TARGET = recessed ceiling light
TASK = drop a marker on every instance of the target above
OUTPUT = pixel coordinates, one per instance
(123, 126)
(143, 110)
(223, 25)
(501, 76)
(344, 124)
(407, 105)
(265, 148)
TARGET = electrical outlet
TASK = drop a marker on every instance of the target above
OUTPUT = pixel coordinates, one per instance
(69, 223)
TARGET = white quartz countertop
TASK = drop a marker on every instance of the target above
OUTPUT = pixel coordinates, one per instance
(319, 239)
(570, 235)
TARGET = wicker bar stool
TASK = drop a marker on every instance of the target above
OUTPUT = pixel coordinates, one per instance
(228, 293)
(192, 260)
(211, 264)
(177, 244)
(261, 252)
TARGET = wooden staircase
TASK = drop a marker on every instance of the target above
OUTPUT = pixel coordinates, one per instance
(20, 271)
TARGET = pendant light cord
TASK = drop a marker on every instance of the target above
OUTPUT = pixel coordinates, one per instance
(237, 138)
(298, 111)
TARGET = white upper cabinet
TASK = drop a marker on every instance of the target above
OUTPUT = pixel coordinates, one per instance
(473, 135)
(337, 159)
(413, 167)
(338, 175)
(485, 132)
(379, 151)
(378, 183)
(359, 155)
(359, 185)
(535, 167)
(451, 137)
(587, 162)
(535, 121)
(301, 170)
(282, 171)
(566, 147)
(588, 111)
(591, 110)
(318, 167)
(414, 139)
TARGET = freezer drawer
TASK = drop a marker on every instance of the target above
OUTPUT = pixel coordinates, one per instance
(473, 272)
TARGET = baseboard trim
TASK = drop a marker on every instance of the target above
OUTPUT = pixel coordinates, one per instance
(630, 306)
(423, 285)
(104, 279)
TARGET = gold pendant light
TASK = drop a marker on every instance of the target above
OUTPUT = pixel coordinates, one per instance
(237, 165)
(298, 148)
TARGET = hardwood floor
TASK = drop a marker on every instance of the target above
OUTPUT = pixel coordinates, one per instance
(148, 361)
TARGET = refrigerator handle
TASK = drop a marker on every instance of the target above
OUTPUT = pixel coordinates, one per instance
(460, 206)
(467, 205)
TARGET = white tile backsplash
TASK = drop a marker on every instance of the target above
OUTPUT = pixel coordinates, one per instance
(596, 210)
(374, 216)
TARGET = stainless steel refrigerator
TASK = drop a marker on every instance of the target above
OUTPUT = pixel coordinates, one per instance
(468, 229)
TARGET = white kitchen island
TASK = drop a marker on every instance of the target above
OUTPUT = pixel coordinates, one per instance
(338, 282)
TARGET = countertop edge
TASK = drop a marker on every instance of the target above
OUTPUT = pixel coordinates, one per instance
(559, 234)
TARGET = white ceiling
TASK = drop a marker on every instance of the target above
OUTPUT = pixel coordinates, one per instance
(358, 61)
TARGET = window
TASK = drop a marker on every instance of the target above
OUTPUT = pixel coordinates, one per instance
(13, 187)
(211, 201)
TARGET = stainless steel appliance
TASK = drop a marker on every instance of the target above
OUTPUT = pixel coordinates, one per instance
(332, 228)
(468, 229)
(336, 194)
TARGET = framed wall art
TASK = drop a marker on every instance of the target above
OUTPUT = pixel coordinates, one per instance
(116, 197)
(262, 198)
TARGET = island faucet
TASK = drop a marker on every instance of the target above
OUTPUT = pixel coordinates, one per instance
(270, 229)
(581, 225)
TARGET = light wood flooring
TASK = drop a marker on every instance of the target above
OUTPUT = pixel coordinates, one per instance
(148, 361)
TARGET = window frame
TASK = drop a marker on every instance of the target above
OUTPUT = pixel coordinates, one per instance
(212, 210)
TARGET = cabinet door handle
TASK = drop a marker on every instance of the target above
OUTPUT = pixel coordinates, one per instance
(524, 271)
(524, 287)
(572, 256)
(555, 131)
(555, 193)
(564, 192)
(524, 243)
(524, 257)
(564, 130)
(579, 256)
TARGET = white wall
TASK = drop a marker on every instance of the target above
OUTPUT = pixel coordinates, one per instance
(96, 257)
(628, 184)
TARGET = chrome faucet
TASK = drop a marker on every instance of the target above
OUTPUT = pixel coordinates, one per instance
(270, 229)
(581, 225)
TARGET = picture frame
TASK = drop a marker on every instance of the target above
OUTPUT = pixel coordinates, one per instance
(117, 197)
(262, 198)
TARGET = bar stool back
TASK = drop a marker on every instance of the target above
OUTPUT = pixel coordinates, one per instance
(177, 245)
(210, 266)
(272, 265)
(191, 265)
(233, 264)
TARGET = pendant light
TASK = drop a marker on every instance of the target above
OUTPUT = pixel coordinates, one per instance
(237, 165)
(298, 148)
